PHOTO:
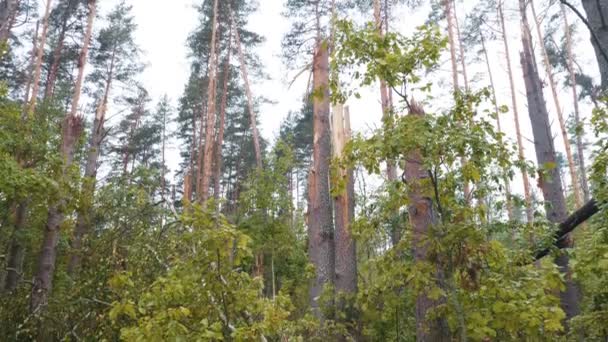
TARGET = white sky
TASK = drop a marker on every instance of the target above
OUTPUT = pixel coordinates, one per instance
(163, 29)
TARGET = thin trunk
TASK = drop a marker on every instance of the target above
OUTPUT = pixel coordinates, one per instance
(422, 218)
(498, 125)
(520, 143)
(210, 126)
(56, 57)
(8, 11)
(220, 136)
(549, 178)
(30, 74)
(38, 64)
(252, 116)
(577, 118)
(463, 62)
(578, 198)
(14, 265)
(72, 129)
(320, 229)
(597, 16)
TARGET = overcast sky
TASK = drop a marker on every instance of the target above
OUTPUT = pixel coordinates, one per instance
(163, 27)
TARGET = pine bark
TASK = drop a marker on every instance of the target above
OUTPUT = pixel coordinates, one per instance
(73, 125)
(578, 198)
(422, 218)
(320, 229)
(210, 127)
(222, 126)
(31, 106)
(549, 178)
(520, 143)
(597, 16)
(577, 117)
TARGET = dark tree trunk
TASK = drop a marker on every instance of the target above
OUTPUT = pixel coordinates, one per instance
(597, 15)
(422, 218)
(8, 11)
(320, 228)
(16, 254)
(550, 180)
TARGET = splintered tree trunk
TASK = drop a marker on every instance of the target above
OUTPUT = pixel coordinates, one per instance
(38, 64)
(520, 143)
(73, 125)
(422, 218)
(220, 136)
(509, 201)
(560, 115)
(549, 177)
(577, 118)
(320, 230)
(597, 15)
(8, 10)
(210, 127)
(252, 116)
(346, 255)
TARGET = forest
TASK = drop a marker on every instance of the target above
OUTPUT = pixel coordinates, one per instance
(443, 177)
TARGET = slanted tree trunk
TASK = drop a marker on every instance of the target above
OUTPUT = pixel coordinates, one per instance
(8, 10)
(509, 201)
(73, 125)
(210, 127)
(56, 57)
(520, 143)
(320, 229)
(549, 175)
(220, 135)
(422, 217)
(578, 198)
(597, 16)
(577, 117)
(344, 206)
(38, 64)
(252, 116)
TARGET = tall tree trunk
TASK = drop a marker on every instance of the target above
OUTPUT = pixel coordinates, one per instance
(597, 16)
(549, 177)
(320, 229)
(560, 115)
(463, 62)
(252, 116)
(14, 265)
(509, 201)
(577, 117)
(72, 129)
(38, 64)
(422, 217)
(8, 10)
(56, 57)
(220, 136)
(210, 127)
(520, 143)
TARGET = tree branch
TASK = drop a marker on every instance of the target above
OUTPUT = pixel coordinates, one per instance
(586, 22)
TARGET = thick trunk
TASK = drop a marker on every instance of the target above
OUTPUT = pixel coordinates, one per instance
(549, 176)
(520, 143)
(220, 135)
(579, 134)
(252, 116)
(560, 115)
(320, 228)
(38, 60)
(421, 219)
(509, 201)
(597, 16)
(8, 10)
(210, 126)
(14, 265)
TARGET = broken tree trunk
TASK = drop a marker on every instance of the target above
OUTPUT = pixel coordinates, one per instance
(549, 176)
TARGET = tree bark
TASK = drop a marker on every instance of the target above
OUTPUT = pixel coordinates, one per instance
(220, 136)
(520, 143)
(320, 230)
(56, 57)
(597, 16)
(252, 115)
(578, 198)
(38, 64)
(549, 177)
(8, 10)
(210, 127)
(16, 254)
(577, 118)
(422, 218)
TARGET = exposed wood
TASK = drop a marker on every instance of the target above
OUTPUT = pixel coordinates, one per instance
(520, 143)
(578, 198)
(210, 126)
